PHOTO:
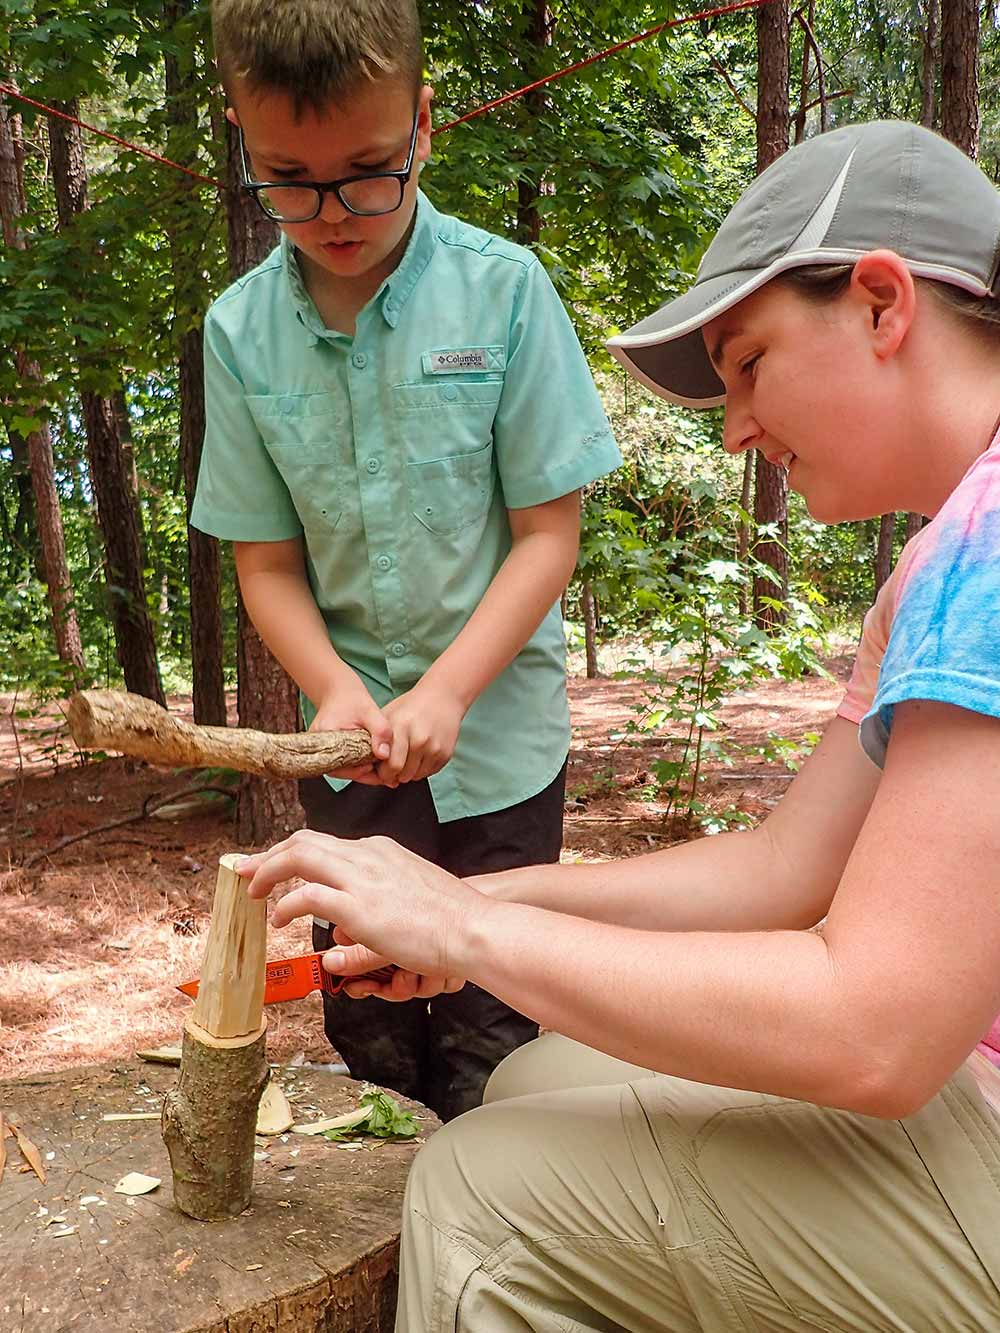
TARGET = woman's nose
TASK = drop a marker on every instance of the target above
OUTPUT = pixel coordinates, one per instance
(740, 430)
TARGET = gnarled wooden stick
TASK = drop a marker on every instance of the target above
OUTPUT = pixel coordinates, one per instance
(116, 720)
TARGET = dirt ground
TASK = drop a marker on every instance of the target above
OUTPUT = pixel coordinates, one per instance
(94, 936)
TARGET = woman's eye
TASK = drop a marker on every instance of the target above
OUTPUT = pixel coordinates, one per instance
(747, 367)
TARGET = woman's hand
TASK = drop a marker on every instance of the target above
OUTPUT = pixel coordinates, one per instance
(351, 959)
(384, 897)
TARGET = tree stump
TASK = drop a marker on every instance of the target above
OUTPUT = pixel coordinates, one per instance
(317, 1251)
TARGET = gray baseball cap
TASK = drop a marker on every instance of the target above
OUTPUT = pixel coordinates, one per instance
(828, 200)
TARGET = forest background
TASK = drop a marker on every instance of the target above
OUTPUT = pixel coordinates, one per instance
(615, 175)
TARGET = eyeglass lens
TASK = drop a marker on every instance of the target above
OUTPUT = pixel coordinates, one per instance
(295, 203)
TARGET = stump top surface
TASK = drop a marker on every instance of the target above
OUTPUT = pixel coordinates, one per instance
(311, 1252)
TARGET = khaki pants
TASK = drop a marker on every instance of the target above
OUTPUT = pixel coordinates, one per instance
(588, 1194)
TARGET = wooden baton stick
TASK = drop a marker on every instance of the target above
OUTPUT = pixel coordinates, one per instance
(116, 720)
(210, 1117)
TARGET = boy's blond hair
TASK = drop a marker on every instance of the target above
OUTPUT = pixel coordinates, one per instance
(316, 51)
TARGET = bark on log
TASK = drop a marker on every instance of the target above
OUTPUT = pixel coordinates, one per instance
(116, 720)
(210, 1118)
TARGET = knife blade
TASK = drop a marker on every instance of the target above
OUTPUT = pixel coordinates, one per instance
(293, 978)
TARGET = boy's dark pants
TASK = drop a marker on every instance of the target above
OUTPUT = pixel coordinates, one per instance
(440, 1052)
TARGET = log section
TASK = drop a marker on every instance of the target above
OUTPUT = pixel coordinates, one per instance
(116, 720)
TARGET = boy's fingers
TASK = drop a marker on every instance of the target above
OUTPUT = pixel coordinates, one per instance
(379, 728)
(391, 768)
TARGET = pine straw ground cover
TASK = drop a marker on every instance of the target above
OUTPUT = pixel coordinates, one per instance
(95, 936)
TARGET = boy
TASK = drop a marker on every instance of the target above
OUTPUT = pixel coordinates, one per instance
(399, 420)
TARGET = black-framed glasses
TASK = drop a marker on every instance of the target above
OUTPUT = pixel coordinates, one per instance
(366, 195)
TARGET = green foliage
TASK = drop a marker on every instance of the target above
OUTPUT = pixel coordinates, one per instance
(386, 1119)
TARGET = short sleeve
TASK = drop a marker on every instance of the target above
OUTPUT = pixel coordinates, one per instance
(240, 495)
(863, 684)
(551, 435)
(944, 644)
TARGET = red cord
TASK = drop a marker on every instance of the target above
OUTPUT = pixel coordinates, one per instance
(590, 60)
(51, 111)
(479, 111)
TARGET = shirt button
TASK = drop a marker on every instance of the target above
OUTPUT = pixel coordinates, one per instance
(384, 562)
(451, 393)
(398, 650)
(359, 360)
(373, 465)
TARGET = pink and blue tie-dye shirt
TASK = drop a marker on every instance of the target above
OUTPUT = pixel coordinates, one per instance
(934, 631)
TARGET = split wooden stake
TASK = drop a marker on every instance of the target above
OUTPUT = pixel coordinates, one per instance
(210, 1118)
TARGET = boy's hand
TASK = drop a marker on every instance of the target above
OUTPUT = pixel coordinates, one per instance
(385, 897)
(425, 723)
(347, 711)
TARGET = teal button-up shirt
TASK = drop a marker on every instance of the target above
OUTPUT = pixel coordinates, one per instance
(396, 454)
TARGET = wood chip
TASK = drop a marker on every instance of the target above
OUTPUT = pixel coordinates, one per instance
(131, 1115)
(346, 1121)
(136, 1183)
(161, 1055)
(29, 1152)
(252, 1268)
(274, 1115)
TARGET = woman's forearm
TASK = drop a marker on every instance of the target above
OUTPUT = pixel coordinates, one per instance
(734, 881)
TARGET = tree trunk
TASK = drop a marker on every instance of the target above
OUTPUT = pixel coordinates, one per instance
(883, 553)
(929, 65)
(266, 697)
(771, 491)
(914, 522)
(210, 1118)
(54, 565)
(960, 74)
(590, 631)
(111, 470)
(536, 36)
(204, 572)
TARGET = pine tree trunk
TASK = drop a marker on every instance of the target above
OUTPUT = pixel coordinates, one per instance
(111, 468)
(266, 697)
(929, 65)
(771, 489)
(204, 566)
(590, 631)
(960, 74)
(536, 35)
(883, 553)
(38, 444)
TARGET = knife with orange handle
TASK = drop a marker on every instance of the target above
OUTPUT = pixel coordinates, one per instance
(292, 978)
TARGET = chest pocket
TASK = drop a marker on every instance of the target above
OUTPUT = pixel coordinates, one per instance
(308, 439)
(447, 430)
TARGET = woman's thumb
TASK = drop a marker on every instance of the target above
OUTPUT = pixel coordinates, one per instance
(352, 960)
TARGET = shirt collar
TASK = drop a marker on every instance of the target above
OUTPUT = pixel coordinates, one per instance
(394, 292)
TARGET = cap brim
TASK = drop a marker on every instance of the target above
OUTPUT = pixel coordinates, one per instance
(666, 351)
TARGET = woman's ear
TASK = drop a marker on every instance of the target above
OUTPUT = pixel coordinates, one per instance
(885, 288)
